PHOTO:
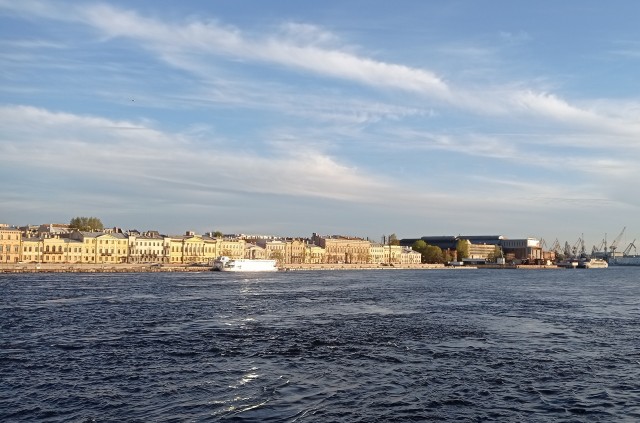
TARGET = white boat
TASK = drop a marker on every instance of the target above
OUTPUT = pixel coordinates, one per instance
(593, 263)
(226, 264)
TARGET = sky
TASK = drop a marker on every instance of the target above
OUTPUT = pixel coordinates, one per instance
(361, 117)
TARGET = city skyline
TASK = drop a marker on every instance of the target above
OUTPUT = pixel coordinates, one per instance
(357, 118)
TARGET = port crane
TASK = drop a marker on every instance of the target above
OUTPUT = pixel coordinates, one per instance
(614, 244)
(595, 250)
(578, 246)
(629, 247)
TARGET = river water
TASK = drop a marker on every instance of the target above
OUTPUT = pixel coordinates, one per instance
(322, 346)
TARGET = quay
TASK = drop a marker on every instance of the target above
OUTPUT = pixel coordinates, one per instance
(136, 268)
(139, 268)
(97, 268)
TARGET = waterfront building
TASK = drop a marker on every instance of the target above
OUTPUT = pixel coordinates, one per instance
(295, 251)
(523, 249)
(61, 250)
(408, 256)
(147, 247)
(342, 249)
(186, 249)
(482, 252)
(387, 254)
(392, 253)
(32, 250)
(191, 248)
(313, 254)
(376, 253)
(102, 248)
(10, 244)
(52, 249)
(254, 252)
(274, 249)
(231, 247)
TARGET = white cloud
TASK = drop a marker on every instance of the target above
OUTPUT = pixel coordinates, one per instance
(172, 40)
(121, 150)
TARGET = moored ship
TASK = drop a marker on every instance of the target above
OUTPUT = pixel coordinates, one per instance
(629, 260)
(592, 263)
(226, 264)
(568, 263)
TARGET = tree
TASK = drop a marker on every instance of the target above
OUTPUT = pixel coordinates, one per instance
(433, 254)
(86, 224)
(497, 252)
(419, 246)
(217, 234)
(277, 255)
(462, 247)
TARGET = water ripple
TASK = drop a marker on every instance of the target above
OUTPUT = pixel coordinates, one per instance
(321, 346)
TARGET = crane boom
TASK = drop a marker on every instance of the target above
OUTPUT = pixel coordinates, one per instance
(629, 247)
(614, 244)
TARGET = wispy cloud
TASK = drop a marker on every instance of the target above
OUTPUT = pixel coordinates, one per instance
(294, 111)
(122, 150)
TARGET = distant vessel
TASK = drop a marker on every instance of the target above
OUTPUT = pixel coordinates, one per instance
(568, 263)
(592, 263)
(226, 264)
(625, 261)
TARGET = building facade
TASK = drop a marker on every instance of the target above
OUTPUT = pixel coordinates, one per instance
(342, 249)
(527, 249)
(148, 247)
(10, 244)
(102, 248)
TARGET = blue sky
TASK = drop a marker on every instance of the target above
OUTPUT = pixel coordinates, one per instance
(339, 117)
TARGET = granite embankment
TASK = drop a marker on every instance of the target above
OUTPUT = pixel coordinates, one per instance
(124, 268)
(96, 268)
(131, 268)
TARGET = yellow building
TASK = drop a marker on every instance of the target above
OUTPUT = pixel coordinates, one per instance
(192, 248)
(32, 250)
(392, 253)
(149, 247)
(482, 251)
(376, 253)
(284, 250)
(387, 254)
(254, 252)
(340, 249)
(10, 244)
(60, 250)
(295, 251)
(313, 254)
(232, 247)
(102, 248)
(274, 249)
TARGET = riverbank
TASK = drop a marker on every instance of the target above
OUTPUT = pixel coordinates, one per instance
(136, 268)
(97, 268)
(133, 268)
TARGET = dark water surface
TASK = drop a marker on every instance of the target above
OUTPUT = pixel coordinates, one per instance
(334, 346)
